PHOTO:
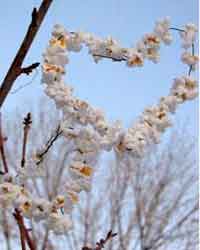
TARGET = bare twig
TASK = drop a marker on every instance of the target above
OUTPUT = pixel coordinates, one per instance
(191, 67)
(101, 243)
(2, 151)
(49, 144)
(25, 84)
(110, 57)
(16, 67)
(27, 122)
(29, 69)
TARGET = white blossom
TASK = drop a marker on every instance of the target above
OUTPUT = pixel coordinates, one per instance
(189, 59)
(58, 223)
(162, 28)
(41, 209)
(188, 36)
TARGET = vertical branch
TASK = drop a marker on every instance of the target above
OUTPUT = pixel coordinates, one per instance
(2, 152)
(24, 234)
(20, 223)
(6, 228)
(27, 122)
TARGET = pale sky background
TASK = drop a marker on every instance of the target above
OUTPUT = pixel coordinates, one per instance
(121, 91)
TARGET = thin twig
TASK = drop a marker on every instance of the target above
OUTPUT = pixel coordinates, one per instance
(16, 67)
(190, 68)
(2, 151)
(29, 69)
(101, 243)
(49, 144)
(177, 29)
(193, 49)
(27, 124)
(110, 57)
(25, 84)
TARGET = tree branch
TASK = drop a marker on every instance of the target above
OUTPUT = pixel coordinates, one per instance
(49, 144)
(16, 67)
(101, 244)
(24, 233)
(2, 151)
(29, 69)
(27, 124)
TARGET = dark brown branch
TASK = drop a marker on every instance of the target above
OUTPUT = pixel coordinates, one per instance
(20, 223)
(2, 151)
(16, 67)
(101, 243)
(27, 124)
(24, 232)
(29, 69)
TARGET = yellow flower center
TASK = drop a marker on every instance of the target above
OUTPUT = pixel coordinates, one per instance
(190, 84)
(136, 60)
(61, 42)
(152, 39)
(26, 206)
(53, 68)
(73, 196)
(60, 200)
(86, 170)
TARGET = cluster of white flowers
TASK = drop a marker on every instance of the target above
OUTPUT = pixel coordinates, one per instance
(15, 196)
(154, 120)
(64, 41)
(86, 128)
(188, 36)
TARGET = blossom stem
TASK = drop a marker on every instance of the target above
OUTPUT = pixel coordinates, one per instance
(177, 29)
(190, 68)
(110, 57)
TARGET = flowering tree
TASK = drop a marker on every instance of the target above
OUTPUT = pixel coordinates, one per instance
(158, 195)
(86, 133)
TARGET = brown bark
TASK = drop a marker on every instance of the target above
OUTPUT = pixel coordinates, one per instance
(16, 67)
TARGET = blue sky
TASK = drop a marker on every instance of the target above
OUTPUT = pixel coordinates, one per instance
(121, 91)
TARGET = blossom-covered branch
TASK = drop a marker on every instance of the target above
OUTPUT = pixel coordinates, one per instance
(86, 129)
